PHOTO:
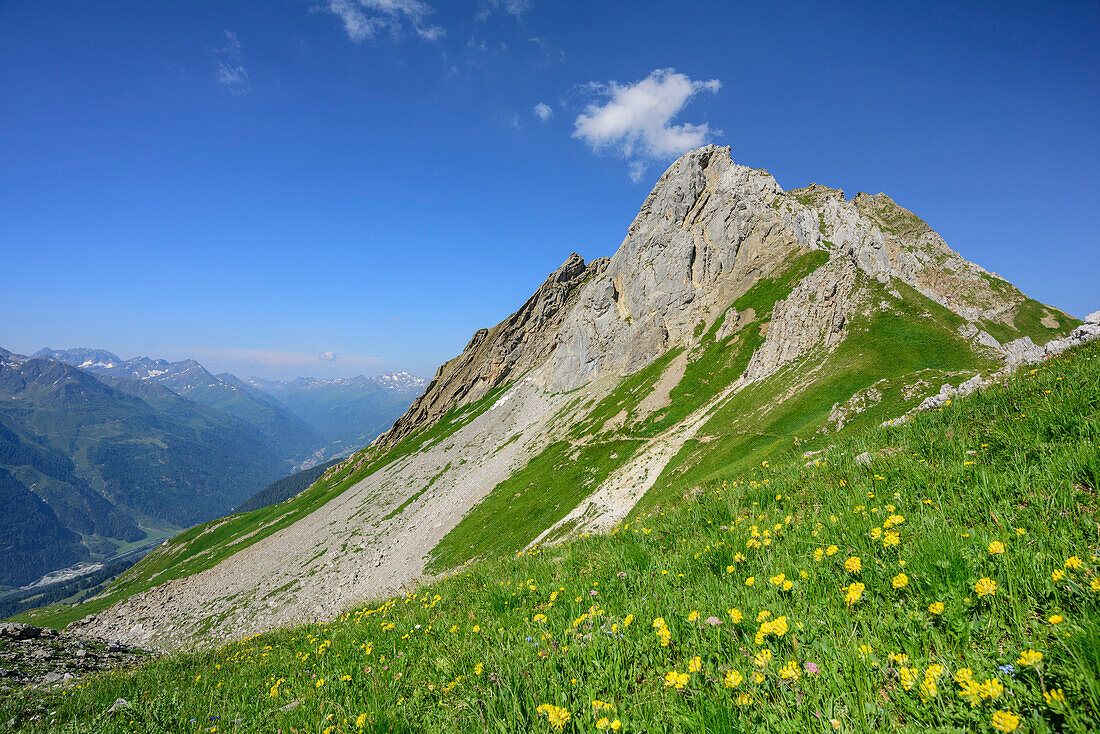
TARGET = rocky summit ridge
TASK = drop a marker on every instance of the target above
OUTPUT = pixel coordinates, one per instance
(735, 319)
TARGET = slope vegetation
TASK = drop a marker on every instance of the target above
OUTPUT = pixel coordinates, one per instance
(938, 575)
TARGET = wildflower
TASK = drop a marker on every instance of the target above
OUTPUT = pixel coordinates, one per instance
(811, 668)
(735, 616)
(855, 591)
(361, 721)
(539, 618)
(1056, 619)
(985, 587)
(1095, 584)
(556, 715)
(1029, 658)
(891, 538)
(853, 565)
(790, 671)
(603, 723)
(936, 607)
(743, 700)
(992, 688)
(1073, 563)
(750, 581)
(927, 688)
(996, 548)
(762, 658)
(818, 553)
(693, 616)
(345, 678)
(866, 651)
(628, 620)
(320, 682)
(478, 669)
(1057, 575)
(971, 691)
(1054, 696)
(963, 674)
(832, 549)
(676, 679)
(908, 677)
(900, 581)
(1005, 721)
(695, 665)
(733, 679)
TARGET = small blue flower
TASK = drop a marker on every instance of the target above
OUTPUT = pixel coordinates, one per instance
(1007, 670)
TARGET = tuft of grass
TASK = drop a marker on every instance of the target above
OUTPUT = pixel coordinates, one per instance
(995, 491)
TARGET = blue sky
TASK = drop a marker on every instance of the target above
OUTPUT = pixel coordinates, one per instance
(259, 183)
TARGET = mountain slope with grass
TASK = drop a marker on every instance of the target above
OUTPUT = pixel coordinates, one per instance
(939, 575)
(736, 323)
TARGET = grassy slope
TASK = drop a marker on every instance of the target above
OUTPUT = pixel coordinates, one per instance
(204, 546)
(567, 626)
(916, 335)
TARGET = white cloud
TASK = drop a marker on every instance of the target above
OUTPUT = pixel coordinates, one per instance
(635, 120)
(515, 8)
(231, 72)
(364, 19)
(543, 111)
(234, 79)
(328, 356)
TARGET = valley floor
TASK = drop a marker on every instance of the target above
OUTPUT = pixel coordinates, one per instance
(948, 584)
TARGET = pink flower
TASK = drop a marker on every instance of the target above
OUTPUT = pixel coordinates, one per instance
(593, 592)
(713, 621)
(812, 668)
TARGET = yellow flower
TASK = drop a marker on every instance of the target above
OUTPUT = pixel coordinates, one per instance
(866, 651)
(1029, 658)
(675, 679)
(985, 587)
(992, 688)
(831, 550)
(790, 671)
(478, 668)
(539, 618)
(855, 591)
(963, 674)
(1054, 695)
(735, 616)
(1095, 584)
(743, 700)
(818, 553)
(971, 691)
(733, 679)
(936, 607)
(900, 581)
(853, 565)
(628, 620)
(891, 538)
(345, 678)
(361, 721)
(909, 677)
(693, 616)
(1057, 575)
(603, 723)
(556, 715)
(320, 682)
(1005, 721)
(750, 581)
(695, 665)
(1055, 619)
(477, 628)
(996, 548)
(1073, 562)
(762, 658)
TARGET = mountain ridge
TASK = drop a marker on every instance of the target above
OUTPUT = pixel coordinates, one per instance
(732, 321)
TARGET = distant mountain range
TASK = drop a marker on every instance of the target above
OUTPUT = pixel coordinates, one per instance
(95, 450)
(347, 412)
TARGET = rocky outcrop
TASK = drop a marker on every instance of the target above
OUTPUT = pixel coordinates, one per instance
(496, 355)
(813, 316)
